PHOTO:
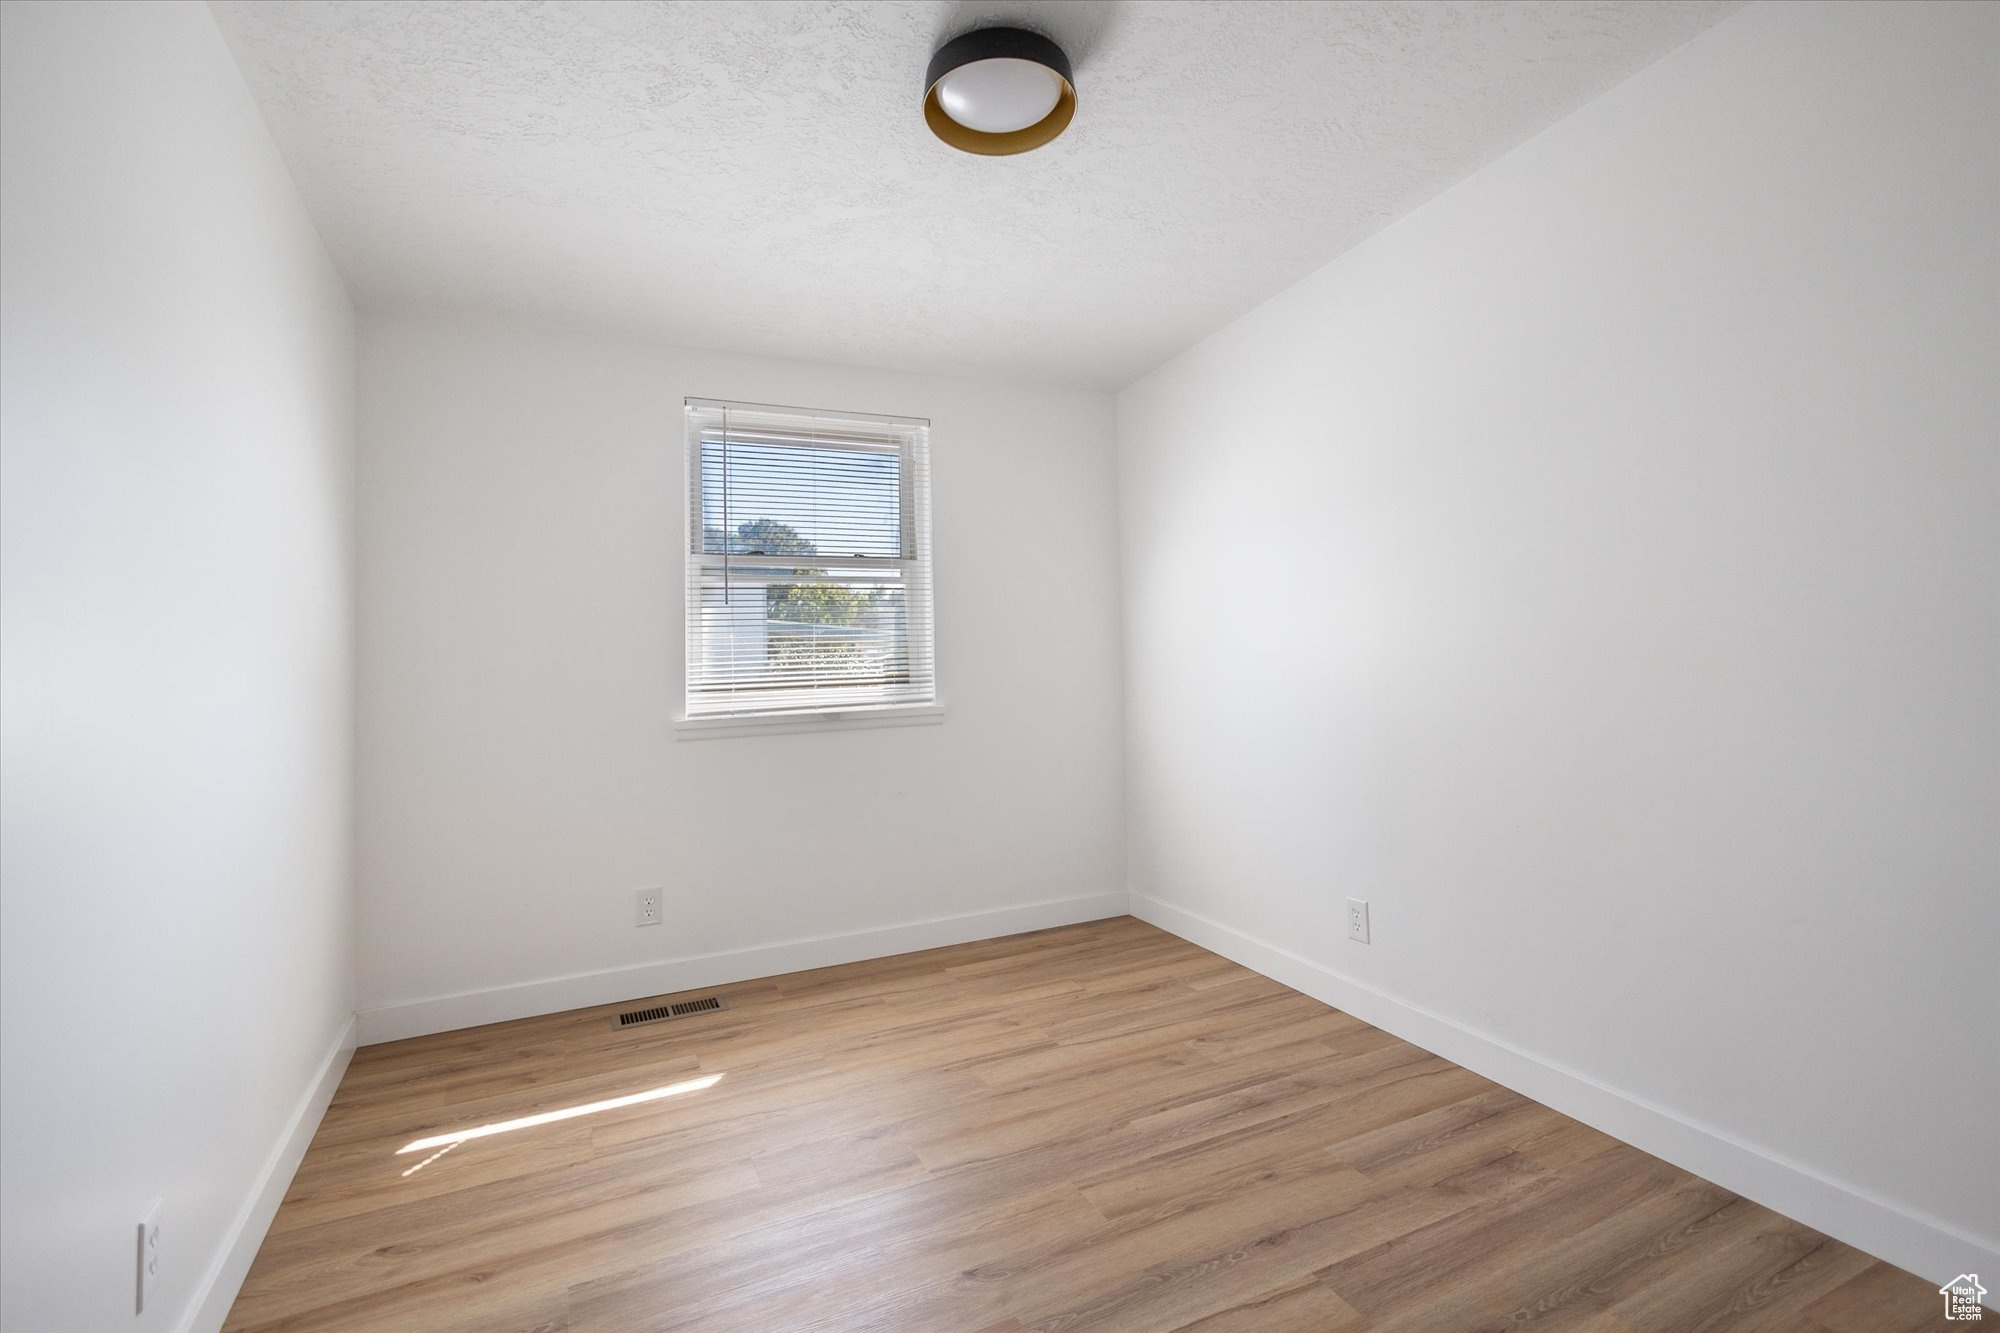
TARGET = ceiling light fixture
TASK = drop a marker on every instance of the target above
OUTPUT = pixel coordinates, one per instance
(999, 91)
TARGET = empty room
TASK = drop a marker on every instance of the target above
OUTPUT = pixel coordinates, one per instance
(1077, 666)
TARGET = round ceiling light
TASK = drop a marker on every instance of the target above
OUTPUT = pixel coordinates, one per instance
(999, 91)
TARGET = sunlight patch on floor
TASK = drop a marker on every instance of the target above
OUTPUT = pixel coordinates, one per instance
(566, 1113)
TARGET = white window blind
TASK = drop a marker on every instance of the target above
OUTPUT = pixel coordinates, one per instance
(808, 561)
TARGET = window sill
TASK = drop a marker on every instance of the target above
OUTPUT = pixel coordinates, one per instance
(781, 724)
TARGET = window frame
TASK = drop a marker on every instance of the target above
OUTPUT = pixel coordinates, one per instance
(875, 433)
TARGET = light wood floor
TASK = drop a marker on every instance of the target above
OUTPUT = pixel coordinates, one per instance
(1098, 1127)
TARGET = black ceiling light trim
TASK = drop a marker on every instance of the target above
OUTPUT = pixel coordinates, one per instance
(998, 44)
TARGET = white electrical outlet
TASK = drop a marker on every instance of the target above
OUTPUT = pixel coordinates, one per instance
(649, 907)
(1357, 920)
(149, 1256)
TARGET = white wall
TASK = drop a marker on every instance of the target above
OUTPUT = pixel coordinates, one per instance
(175, 938)
(520, 665)
(1629, 514)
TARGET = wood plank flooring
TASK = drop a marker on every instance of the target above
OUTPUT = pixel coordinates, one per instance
(1100, 1127)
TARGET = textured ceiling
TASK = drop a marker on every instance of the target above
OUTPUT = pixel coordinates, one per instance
(758, 176)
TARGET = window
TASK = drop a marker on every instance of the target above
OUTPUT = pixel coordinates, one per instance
(808, 562)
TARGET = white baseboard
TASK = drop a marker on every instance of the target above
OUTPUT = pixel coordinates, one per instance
(447, 1013)
(1929, 1248)
(218, 1287)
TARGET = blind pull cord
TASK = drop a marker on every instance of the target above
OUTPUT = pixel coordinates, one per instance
(725, 507)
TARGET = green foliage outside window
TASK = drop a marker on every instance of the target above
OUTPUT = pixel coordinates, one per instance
(801, 603)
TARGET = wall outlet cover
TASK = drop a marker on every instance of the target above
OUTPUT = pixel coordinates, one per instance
(1357, 920)
(149, 1257)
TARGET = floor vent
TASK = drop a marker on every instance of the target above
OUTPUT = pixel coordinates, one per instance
(707, 1004)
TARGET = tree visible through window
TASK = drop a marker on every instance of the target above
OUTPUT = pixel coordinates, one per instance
(803, 604)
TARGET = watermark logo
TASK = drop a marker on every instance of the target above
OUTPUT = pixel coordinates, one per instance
(1962, 1296)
